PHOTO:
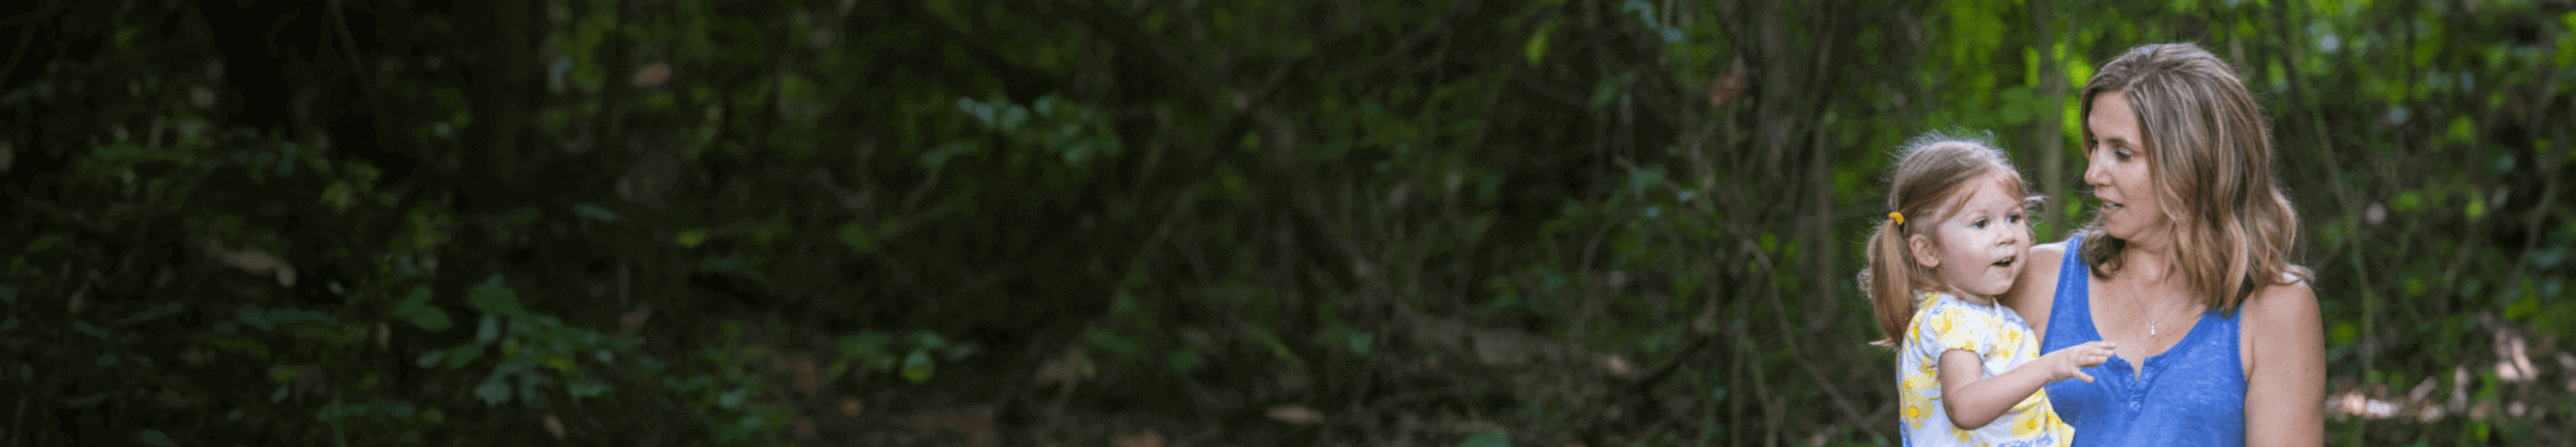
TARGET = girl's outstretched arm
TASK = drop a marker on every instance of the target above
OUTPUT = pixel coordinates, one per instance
(1973, 401)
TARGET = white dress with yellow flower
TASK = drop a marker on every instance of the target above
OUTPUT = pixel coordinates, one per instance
(2001, 340)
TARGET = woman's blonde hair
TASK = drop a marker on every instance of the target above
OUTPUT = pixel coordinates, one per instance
(1930, 180)
(2209, 154)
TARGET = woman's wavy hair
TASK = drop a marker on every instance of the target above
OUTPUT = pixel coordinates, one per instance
(2209, 153)
(1930, 181)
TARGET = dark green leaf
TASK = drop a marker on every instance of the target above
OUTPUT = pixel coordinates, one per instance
(494, 390)
(495, 297)
(1486, 439)
(1185, 361)
(489, 331)
(733, 398)
(415, 308)
(85, 328)
(154, 438)
(1105, 339)
(917, 367)
(594, 212)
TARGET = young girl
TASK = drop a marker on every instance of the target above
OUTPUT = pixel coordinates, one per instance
(1969, 370)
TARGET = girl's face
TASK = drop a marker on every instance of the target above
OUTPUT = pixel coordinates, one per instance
(1977, 249)
(2115, 167)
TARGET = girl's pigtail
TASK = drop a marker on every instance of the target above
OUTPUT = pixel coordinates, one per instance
(1887, 280)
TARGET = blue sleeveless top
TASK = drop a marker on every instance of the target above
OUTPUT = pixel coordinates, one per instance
(2190, 395)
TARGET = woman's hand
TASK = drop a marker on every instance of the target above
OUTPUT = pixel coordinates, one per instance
(2069, 363)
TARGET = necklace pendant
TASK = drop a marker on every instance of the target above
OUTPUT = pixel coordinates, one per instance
(2151, 329)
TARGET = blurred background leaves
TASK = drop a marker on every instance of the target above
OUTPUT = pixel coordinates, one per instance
(1264, 222)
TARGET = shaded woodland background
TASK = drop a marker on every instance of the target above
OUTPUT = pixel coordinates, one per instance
(1168, 222)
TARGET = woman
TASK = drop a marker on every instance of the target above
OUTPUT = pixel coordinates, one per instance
(2184, 266)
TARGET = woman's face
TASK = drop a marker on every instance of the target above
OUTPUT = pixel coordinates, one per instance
(2115, 167)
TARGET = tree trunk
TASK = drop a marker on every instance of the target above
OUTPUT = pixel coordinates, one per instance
(2047, 131)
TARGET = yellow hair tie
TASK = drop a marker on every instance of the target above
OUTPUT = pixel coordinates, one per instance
(1896, 216)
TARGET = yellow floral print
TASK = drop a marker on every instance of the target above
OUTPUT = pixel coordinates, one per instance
(2001, 341)
(2024, 427)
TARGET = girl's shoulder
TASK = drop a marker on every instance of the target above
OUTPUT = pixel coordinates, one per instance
(1946, 322)
(1946, 307)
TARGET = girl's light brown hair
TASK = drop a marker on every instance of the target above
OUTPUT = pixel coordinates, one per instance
(1930, 180)
(2209, 153)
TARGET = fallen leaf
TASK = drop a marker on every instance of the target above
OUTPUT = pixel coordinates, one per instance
(806, 379)
(1617, 365)
(1729, 87)
(635, 319)
(1296, 414)
(653, 74)
(554, 426)
(851, 407)
(1065, 369)
(804, 428)
(1147, 438)
(1478, 427)
(255, 260)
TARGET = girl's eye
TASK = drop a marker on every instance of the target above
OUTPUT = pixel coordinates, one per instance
(1979, 224)
(2016, 218)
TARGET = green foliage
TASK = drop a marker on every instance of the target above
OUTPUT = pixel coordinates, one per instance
(1593, 222)
(1486, 439)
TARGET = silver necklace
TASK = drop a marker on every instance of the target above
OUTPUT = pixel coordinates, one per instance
(2154, 318)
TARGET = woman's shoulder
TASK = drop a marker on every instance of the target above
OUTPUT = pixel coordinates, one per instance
(2281, 323)
(2052, 250)
(2038, 281)
(2289, 301)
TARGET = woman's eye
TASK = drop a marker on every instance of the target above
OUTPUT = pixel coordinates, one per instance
(2122, 154)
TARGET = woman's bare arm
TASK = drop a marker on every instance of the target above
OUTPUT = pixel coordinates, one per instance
(2285, 367)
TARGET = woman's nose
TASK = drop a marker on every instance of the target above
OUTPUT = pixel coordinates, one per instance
(2093, 175)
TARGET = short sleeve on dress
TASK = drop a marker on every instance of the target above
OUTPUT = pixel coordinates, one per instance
(1949, 325)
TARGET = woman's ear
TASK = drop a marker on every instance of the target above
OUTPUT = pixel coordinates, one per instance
(1925, 252)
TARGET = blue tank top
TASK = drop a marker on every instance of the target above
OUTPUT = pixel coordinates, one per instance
(2190, 395)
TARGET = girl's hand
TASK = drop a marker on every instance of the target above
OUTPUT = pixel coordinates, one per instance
(2070, 362)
